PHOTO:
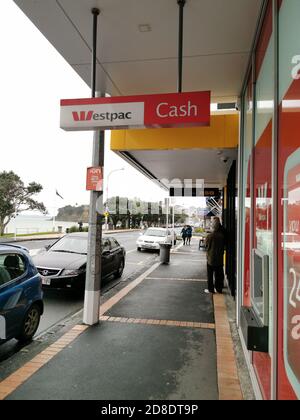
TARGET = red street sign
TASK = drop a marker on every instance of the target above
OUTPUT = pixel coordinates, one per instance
(143, 111)
(94, 179)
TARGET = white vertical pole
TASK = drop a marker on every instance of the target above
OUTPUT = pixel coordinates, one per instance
(173, 223)
(15, 226)
(94, 258)
(94, 262)
(106, 207)
(167, 214)
(54, 209)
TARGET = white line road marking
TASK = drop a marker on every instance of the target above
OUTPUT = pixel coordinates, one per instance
(177, 279)
(189, 253)
(173, 251)
(118, 296)
(132, 250)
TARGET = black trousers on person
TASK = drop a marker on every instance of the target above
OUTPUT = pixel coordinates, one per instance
(215, 278)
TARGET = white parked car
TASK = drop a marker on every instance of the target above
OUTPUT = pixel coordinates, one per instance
(153, 237)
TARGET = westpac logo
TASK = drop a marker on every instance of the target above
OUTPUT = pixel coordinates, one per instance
(103, 116)
(82, 115)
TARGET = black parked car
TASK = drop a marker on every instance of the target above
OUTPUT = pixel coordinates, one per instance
(63, 265)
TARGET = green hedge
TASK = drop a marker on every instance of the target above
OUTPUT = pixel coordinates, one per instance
(74, 229)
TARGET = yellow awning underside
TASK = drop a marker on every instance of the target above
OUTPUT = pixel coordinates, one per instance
(223, 133)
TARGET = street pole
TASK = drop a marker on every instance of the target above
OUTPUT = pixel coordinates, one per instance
(167, 215)
(15, 226)
(181, 4)
(93, 269)
(173, 223)
(106, 207)
(54, 209)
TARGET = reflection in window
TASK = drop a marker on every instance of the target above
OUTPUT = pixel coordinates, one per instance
(11, 267)
(291, 248)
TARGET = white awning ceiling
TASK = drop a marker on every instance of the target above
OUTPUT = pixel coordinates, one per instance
(218, 36)
(209, 165)
(217, 40)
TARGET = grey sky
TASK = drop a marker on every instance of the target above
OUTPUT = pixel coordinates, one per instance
(33, 79)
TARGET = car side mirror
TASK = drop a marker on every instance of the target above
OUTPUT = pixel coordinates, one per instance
(47, 247)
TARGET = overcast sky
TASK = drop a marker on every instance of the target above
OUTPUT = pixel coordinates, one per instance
(34, 77)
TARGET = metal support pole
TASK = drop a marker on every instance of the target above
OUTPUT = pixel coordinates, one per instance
(167, 214)
(173, 224)
(275, 204)
(15, 226)
(95, 13)
(181, 4)
(93, 269)
(106, 207)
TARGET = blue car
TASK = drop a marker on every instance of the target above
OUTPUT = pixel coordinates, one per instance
(21, 297)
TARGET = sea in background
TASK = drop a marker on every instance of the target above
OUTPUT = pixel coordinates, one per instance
(27, 224)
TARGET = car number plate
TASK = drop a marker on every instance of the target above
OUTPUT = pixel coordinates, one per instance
(46, 282)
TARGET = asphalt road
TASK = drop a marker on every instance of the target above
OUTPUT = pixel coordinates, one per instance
(61, 305)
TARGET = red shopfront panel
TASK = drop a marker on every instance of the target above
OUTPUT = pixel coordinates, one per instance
(262, 172)
(289, 202)
(263, 232)
(263, 189)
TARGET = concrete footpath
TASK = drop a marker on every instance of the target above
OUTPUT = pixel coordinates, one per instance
(159, 338)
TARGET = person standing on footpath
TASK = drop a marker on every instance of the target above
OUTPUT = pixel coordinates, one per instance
(215, 247)
(183, 234)
(189, 233)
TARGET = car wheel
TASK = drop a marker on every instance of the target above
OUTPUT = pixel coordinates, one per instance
(119, 273)
(30, 323)
(139, 249)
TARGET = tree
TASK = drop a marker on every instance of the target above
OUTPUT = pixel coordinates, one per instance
(15, 197)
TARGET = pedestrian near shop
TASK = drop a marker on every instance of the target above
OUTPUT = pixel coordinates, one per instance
(215, 247)
(183, 234)
(189, 234)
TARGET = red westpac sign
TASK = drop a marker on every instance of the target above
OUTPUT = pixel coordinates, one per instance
(143, 111)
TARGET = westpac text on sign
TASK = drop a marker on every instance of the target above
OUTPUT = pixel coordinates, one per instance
(143, 111)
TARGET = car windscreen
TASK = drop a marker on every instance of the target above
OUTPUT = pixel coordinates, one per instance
(73, 245)
(154, 232)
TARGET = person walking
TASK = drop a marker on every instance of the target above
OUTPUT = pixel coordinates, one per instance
(189, 233)
(215, 247)
(183, 234)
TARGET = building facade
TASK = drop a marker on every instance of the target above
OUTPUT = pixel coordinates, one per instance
(269, 200)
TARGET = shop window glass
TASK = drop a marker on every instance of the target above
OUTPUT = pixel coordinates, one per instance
(289, 201)
(262, 252)
(246, 210)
